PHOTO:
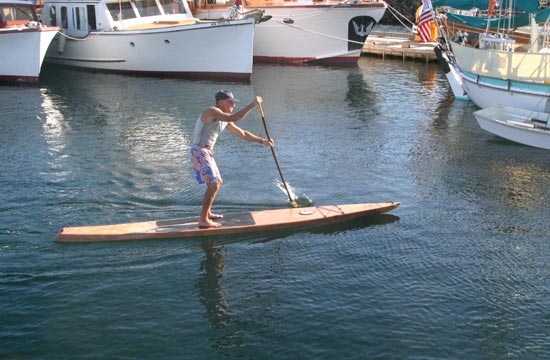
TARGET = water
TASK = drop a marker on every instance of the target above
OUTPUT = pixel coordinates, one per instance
(458, 271)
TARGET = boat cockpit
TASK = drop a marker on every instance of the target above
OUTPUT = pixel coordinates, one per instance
(80, 18)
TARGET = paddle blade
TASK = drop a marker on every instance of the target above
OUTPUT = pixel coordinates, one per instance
(297, 201)
(303, 201)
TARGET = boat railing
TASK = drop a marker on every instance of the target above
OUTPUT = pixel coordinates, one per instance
(496, 42)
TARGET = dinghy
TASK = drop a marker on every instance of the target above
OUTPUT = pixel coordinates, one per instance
(519, 125)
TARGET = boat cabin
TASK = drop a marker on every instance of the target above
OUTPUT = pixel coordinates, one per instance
(79, 18)
(17, 13)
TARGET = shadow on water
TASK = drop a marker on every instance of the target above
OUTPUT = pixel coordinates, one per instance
(360, 95)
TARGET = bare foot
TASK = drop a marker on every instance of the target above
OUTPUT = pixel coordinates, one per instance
(209, 224)
(215, 216)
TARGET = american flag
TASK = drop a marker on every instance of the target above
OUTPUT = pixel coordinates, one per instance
(424, 21)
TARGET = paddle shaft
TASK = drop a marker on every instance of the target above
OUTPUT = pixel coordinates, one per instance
(275, 156)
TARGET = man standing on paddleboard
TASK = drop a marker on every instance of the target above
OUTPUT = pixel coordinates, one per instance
(212, 121)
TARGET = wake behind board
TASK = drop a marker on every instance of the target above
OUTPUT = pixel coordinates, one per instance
(235, 223)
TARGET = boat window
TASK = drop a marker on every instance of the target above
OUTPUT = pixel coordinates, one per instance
(121, 10)
(147, 7)
(76, 18)
(91, 17)
(16, 12)
(172, 6)
(53, 18)
(64, 21)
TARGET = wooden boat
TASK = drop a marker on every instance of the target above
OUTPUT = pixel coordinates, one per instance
(23, 41)
(519, 125)
(153, 38)
(305, 31)
(236, 223)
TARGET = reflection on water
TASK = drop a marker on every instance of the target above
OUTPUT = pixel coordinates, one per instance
(360, 96)
(212, 293)
(451, 156)
(520, 185)
(230, 325)
(54, 123)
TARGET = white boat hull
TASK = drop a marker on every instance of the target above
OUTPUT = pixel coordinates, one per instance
(453, 75)
(496, 77)
(201, 50)
(313, 33)
(486, 93)
(516, 124)
(22, 52)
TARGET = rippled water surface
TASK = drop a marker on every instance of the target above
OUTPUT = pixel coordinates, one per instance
(458, 271)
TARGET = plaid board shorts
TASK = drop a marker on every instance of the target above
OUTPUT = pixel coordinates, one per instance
(206, 170)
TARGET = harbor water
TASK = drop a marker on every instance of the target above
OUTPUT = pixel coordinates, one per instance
(459, 271)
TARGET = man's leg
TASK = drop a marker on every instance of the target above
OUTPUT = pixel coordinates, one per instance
(209, 196)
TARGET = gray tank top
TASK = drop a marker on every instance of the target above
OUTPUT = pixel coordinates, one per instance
(207, 134)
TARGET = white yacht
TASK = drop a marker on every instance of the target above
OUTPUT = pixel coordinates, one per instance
(23, 41)
(148, 37)
(329, 32)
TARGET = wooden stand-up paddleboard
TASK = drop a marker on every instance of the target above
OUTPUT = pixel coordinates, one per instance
(236, 223)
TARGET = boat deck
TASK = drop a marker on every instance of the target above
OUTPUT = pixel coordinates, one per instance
(161, 24)
(398, 45)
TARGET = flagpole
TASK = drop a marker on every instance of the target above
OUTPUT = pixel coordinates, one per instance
(437, 22)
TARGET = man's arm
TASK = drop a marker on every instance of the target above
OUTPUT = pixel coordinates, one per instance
(213, 113)
(248, 136)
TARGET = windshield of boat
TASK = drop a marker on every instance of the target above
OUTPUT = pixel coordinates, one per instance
(16, 12)
(172, 7)
(123, 10)
(147, 8)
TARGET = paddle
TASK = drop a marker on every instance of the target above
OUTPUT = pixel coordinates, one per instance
(292, 201)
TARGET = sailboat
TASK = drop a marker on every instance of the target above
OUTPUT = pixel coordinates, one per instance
(506, 76)
(499, 70)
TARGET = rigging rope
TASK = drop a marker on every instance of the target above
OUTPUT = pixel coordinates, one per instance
(318, 33)
(395, 13)
(275, 17)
